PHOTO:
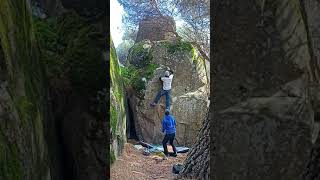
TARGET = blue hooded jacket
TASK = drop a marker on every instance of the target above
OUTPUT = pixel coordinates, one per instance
(168, 124)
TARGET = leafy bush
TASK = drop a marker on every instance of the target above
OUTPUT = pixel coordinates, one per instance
(133, 76)
(138, 56)
(179, 46)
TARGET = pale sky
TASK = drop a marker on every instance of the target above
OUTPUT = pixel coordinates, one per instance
(116, 13)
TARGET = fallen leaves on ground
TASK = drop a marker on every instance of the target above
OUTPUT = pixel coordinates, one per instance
(132, 164)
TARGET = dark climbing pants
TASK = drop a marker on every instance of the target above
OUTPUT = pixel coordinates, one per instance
(161, 93)
(170, 138)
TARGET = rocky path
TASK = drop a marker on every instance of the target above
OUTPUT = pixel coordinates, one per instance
(132, 164)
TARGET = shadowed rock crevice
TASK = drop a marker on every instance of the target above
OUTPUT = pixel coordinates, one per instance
(52, 122)
(267, 120)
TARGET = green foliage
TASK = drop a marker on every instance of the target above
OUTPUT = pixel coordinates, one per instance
(139, 56)
(133, 76)
(112, 155)
(194, 53)
(140, 66)
(117, 108)
(72, 48)
(113, 119)
(179, 46)
(149, 70)
(10, 165)
(115, 74)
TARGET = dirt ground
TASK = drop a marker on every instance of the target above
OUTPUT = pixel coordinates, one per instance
(132, 164)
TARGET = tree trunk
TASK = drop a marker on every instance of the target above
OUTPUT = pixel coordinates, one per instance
(197, 163)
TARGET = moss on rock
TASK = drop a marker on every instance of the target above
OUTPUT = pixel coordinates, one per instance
(133, 76)
(10, 163)
(26, 108)
(113, 119)
(140, 55)
(112, 156)
(71, 48)
(27, 88)
(140, 67)
(117, 109)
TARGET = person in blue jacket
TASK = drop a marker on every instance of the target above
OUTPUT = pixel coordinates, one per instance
(169, 128)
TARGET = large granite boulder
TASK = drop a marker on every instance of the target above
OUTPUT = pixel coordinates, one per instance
(189, 95)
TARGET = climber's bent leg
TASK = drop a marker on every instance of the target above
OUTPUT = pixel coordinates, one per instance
(156, 100)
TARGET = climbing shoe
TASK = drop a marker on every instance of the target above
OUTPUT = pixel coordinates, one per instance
(173, 154)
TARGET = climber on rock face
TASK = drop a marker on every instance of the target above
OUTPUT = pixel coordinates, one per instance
(166, 88)
(169, 128)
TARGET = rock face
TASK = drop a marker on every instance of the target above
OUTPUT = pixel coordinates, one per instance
(117, 107)
(52, 7)
(77, 92)
(264, 115)
(93, 10)
(272, 132)
(312, 16)
(156, 28)
(189, 98)
(78, 96)
(52, 123)
(27, 149)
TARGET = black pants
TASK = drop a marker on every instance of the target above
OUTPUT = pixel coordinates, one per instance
(170, 138)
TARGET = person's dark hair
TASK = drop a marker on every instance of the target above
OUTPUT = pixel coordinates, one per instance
(167, 112)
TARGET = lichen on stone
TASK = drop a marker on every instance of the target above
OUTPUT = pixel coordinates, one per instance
(117, 110)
